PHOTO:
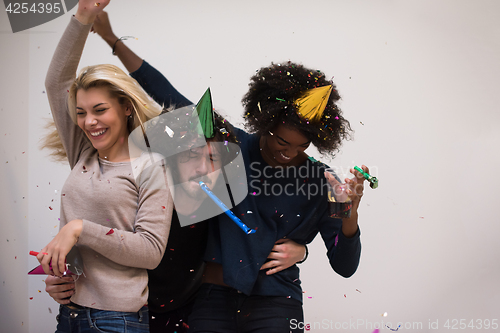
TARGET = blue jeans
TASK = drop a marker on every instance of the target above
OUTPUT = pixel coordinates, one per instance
(226, 310)
(88, 320)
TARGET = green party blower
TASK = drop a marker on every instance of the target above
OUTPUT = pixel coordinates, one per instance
(373, 180)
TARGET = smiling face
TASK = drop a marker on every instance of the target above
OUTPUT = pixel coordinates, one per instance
(198, 164)
(284, 147)
(104, 120)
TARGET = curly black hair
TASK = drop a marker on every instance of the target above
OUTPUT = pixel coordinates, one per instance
(270, 101)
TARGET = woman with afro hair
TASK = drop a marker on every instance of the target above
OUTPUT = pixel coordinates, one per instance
(287, 200)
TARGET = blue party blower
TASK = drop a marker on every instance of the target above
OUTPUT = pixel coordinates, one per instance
(226, 210)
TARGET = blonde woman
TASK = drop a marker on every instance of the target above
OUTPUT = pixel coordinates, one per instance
(120, 224)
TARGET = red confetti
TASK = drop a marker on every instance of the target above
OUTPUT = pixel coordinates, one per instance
(161, 306)
(50, 208)
(162, 207)
(31, 298)
(110, 232)
(345, 296)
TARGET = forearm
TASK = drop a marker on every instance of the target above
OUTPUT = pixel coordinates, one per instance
(346, 254)
(350, 225)
(129, 59)
(143, 248)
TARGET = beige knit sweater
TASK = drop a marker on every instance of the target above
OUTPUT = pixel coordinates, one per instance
(106, 195)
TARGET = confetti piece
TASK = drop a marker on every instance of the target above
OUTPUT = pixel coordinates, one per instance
(376, 331)
(31, 298)
(358, 291)
(50, 310)
(393, 329)
(111, 231)
(384, 314)
(162, 207)
(97, 4)
(169, 131)
(50, 208)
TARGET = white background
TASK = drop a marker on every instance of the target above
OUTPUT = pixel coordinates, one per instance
(419, 84)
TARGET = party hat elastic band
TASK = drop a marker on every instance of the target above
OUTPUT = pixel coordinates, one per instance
(312, 103)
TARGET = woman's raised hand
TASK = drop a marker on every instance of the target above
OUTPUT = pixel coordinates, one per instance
(89, 9)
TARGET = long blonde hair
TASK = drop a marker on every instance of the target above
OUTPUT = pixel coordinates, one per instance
(120, 86)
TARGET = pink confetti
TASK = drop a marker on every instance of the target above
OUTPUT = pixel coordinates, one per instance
(110, 232)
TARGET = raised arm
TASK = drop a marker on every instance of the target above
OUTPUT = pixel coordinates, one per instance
(62, 72)
(151, 80)
(129, 59)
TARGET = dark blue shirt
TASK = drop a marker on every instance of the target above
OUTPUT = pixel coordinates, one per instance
(282, 203)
